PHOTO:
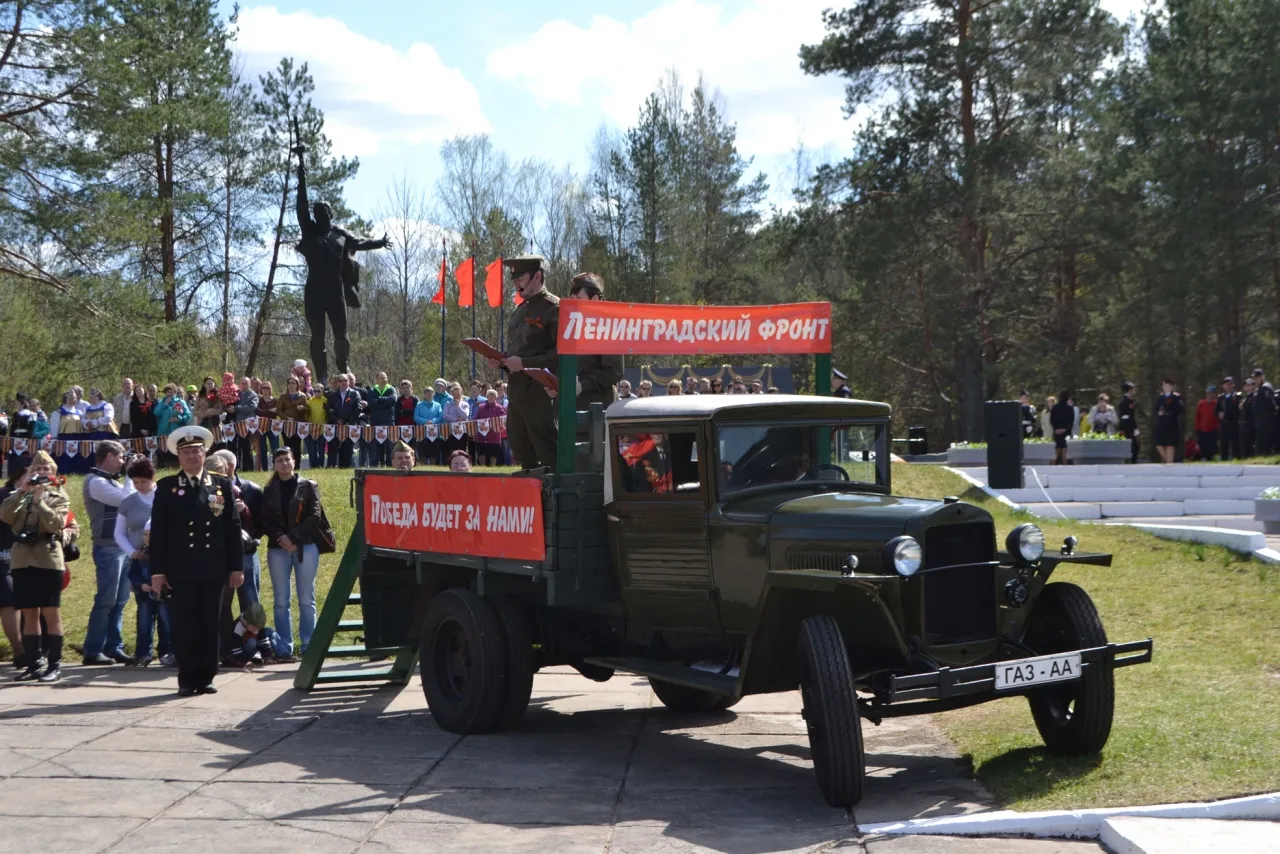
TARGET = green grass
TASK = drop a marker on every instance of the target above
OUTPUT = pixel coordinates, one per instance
(1199, 722)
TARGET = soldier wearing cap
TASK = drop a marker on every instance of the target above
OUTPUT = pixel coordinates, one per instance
(402, 458)
(597, 375)
(531, 343)
(1228, 412)
(1127, 408)
(195, 552)
(842, 384)
(1264, 413)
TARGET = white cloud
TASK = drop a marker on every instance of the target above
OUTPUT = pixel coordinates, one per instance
(372, 94)
(751, 57)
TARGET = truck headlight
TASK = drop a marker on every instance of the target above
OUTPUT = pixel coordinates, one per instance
(905, 555)
(1026, 542)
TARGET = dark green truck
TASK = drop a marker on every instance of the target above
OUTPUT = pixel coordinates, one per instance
(727, 545)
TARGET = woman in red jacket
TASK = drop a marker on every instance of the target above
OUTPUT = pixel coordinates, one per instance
(1207, 423)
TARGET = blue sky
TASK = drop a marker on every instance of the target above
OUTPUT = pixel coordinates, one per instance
(542, 77)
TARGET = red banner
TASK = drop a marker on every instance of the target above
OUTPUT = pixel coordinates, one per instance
(478, 515)
(593, 327)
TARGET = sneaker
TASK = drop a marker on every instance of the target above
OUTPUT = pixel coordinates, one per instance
(52, 673)
(98, 660)
(169, 660)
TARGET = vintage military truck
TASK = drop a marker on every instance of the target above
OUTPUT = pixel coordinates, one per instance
(727, 545)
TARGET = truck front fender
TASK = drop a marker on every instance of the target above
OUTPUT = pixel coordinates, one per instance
(871, 633)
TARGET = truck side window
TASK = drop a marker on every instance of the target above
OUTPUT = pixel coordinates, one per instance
(658, 462)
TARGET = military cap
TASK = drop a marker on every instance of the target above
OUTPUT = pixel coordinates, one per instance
(190, 436)
(254, 615)
(840, 375)
(1226, 380)
(1258, 372)
(521, 264)
(401, 447)
(589, 281)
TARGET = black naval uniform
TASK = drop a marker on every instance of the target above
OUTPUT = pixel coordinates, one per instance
(1228, 410)
(1128, 411)
(195, 544)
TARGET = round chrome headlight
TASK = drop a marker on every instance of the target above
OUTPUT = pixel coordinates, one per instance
(1026, 542)
(906, 556)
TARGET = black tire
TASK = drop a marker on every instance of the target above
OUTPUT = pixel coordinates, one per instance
(1073, 718)
(518, 634)
(679, 698)
(463, 659)
(831, 711)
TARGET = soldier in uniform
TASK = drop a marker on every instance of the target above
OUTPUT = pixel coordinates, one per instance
(842, 384)
(195, 552)
(597, 375)
(531, 343)
(402, 458)
(1228, 411)
(1128, 410)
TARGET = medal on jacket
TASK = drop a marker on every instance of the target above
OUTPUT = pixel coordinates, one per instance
(216, 503)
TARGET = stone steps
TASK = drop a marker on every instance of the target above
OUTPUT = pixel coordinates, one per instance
(1133, 493)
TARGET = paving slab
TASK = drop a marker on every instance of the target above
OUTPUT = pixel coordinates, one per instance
(14, 760)
(413, 838)
(25, 732)
(634, 839)
(133, 765)
(291, 766)
(89, 798)
(212, 836)
(785, 701)
(297, 801)
(1137, 835)
(732, 722)
(761, 809)
(929, 844)
(223, 742)
(75, 715)
(665, 762)
(427, 804)
(57, 834)
(513, 761)
(383, 740)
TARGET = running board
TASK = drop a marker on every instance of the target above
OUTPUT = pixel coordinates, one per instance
(678, 674)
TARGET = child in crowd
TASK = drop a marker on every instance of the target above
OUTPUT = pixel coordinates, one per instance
(303, 375)
(152, 610)
(258, 643)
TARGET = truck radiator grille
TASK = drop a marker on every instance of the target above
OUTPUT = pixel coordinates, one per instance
(815, 559)
(959, 601)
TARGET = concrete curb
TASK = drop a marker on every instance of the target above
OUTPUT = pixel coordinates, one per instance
(1074, 824)
(1244, 542)
(977, 484)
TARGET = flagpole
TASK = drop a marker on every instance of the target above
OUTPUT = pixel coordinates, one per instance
(443, 258)
(473, 307)
(502, 304)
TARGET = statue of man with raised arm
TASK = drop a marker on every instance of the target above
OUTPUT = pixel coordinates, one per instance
(333, 275)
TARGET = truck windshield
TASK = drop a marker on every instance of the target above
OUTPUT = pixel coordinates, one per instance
(761, 454)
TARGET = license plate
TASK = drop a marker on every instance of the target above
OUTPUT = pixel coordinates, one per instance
(1037, 671)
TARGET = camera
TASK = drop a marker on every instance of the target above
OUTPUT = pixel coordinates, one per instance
(28, 536)
(38, 480)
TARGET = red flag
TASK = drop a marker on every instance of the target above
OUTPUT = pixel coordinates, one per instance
(493, 282)
(438, 299)
(465, 274)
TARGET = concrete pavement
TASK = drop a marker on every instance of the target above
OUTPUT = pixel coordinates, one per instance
(111, 760)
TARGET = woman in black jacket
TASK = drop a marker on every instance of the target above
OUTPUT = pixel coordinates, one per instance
(290, 518)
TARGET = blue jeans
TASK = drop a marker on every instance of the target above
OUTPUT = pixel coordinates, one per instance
(304, 563)
(106, 620)
(250, 591)
(268, 444)
(152, 612)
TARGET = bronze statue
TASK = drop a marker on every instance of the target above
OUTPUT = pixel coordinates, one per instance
(333, 274)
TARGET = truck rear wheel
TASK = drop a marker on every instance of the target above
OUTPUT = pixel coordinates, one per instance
(1073, 718)
(831, 711)
(520, 664)
(679, 698)
(463, 659)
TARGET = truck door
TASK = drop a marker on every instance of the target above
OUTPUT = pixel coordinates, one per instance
(659, 521)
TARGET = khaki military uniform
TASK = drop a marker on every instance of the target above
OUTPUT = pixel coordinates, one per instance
(531, 425)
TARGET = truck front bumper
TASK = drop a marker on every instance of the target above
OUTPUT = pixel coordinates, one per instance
(955, 687)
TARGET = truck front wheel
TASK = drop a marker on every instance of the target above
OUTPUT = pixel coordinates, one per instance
(679, 698)
(463, 658)
(831, 711)
(1073, 718)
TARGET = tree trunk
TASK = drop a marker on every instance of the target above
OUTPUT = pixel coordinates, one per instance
(163, 150)
(972, 386)
(260, 323)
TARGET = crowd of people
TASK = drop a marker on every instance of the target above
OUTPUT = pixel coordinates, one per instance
(1226, 424)
(183, 547)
